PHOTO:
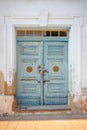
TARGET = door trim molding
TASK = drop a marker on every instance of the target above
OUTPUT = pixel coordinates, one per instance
(74, 47)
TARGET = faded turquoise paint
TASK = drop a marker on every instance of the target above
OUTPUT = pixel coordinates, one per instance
(56, 77)
(28, 83)
(42, 86)
(39, 38)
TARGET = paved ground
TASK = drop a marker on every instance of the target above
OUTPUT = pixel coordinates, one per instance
(47, 122)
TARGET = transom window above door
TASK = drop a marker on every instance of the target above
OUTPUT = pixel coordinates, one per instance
(44, 33)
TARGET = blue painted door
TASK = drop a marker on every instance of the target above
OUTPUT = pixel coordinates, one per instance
(42, 73)
(29, 60)
(56, 75)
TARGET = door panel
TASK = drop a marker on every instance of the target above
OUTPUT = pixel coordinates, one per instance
(28, 78)
(56, 80)
(42, 73)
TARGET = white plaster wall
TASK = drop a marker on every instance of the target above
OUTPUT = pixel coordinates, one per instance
(2, 45)
(84, 53)
(55, 8)
(33, 7)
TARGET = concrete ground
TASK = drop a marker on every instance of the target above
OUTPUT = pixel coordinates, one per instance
(44, 122)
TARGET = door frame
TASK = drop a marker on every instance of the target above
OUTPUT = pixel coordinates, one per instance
(74, 22)
(45, 39)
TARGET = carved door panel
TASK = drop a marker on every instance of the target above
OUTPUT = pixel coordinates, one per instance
(28, 77)
(56, 75)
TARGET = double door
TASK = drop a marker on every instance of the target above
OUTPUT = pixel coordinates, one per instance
(42, 73)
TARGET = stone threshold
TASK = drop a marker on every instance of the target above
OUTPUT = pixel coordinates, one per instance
(43, 109)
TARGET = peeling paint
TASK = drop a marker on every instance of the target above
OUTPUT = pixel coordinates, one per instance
(71, 101)
(14, 105)
(6, 104)
(1, 82)
(84, 103)
(5, 87)
(77, 103)
(10, 88)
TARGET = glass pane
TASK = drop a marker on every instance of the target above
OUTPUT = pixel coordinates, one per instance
(29, 33)
(63, 33)
(44, 33)
(54, 33)
(37, 33)
(47, 33)
(21, 33)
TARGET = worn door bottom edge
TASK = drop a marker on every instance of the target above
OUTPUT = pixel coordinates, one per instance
(46, 107)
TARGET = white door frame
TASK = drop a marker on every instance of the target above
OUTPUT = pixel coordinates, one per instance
(74, 51)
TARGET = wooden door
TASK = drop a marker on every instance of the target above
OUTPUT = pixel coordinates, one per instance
(28, 77)
(42, 73)
(56, 74)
